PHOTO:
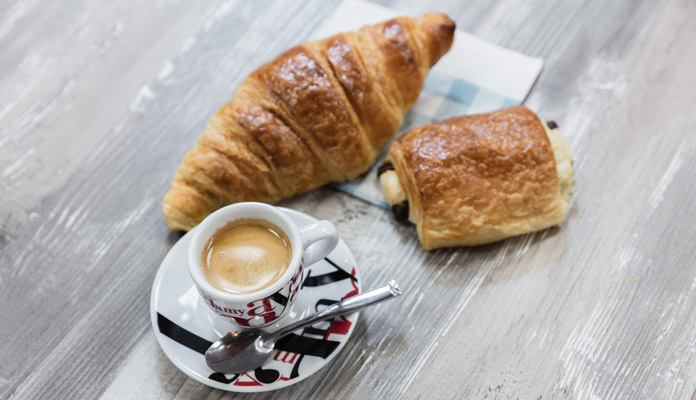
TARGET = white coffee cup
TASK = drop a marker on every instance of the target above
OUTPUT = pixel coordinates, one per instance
(309, 244)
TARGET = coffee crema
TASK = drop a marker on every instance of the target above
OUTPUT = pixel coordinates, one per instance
(245, 256)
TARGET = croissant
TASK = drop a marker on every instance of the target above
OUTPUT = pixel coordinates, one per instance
(320, 112)
(481, 178)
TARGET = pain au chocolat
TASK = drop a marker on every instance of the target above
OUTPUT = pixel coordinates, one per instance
(481, 178)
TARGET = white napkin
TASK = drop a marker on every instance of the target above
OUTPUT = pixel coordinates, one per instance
(473, 77)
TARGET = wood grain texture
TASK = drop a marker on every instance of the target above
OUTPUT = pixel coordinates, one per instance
(100, 101)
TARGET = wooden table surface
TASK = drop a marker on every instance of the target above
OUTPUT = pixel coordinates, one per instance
(100, 100)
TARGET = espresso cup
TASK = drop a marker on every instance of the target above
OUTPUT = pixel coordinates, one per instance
(308, 245)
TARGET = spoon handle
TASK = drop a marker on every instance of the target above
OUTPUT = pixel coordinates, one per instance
(349, 305)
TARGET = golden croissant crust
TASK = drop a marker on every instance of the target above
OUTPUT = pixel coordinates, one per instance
(320, 112)
(480, 178)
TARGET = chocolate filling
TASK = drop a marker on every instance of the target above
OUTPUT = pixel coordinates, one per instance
(552, 124)
(384, 168)
(400, 211)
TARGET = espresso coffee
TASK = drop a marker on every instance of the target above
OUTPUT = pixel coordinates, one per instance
(246, 255)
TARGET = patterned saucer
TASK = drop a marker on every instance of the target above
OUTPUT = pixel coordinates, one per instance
(185, 327)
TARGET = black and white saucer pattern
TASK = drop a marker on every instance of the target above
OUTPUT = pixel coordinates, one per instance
(185, 327)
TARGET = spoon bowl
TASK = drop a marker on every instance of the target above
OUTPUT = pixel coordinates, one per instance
(246, 347)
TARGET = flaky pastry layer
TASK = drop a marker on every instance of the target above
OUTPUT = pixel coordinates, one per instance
(478, 179)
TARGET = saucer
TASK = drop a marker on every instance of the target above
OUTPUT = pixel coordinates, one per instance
(185, 327)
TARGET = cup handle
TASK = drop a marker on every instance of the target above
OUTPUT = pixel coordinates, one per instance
(318, 240)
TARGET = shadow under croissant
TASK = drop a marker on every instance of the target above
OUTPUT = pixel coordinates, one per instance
(173, 237)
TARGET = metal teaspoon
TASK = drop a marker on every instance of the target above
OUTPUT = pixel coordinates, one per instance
(243, 351)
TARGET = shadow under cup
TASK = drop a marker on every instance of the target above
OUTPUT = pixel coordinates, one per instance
(262, 307)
